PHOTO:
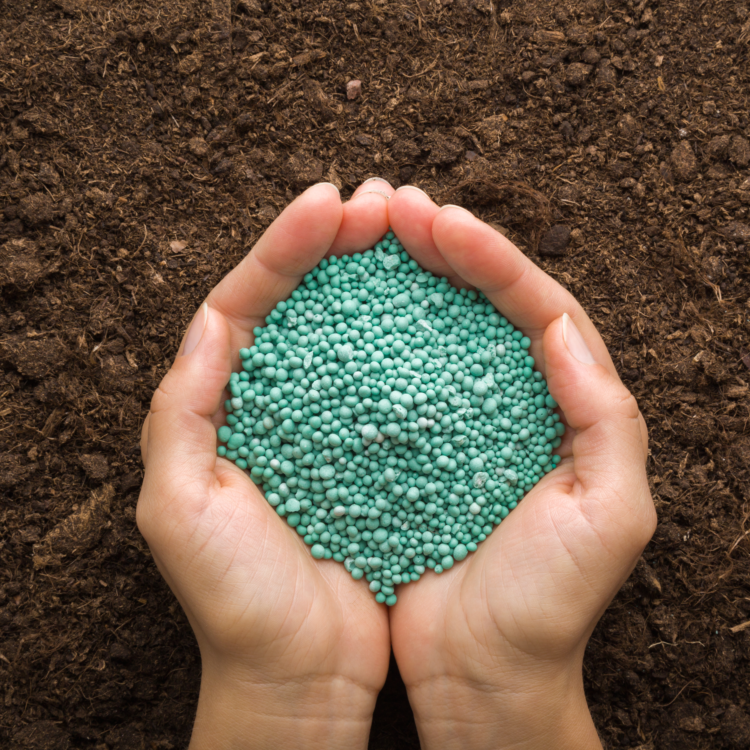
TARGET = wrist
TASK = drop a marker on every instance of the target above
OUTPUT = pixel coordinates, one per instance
(550, 712)
(247, 713)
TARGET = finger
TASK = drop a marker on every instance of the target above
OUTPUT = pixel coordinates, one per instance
(609, 452)
(181, 443)
(527, 296)
(377, 184)
(412, 212)
(294, 244)
(364, 222)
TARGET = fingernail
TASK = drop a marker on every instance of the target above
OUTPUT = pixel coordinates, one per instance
(328, 183)
(451, 205)
(378, 179)
(370, 192)
(575, 343)
(412, 187)
(195, 332)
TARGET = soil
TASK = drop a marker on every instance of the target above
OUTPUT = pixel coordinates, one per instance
(144, 147)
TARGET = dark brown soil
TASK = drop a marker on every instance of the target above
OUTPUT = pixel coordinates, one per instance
(143, 149)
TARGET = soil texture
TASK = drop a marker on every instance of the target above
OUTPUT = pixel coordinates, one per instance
(144, 147)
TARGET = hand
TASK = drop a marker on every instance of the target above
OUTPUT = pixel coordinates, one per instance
(294, 650)
(491, 651)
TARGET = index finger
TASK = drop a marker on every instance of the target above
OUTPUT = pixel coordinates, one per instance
(313, 226)
(295, 243)
(516, 286)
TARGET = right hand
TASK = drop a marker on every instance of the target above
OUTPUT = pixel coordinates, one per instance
(294, 650)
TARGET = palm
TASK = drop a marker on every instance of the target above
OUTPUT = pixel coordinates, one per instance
(262, 592)
(505, 604)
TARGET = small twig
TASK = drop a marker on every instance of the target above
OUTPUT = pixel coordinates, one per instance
(741, 626)
(282, 89)
(426, 70)
(737, 541)
(495, 30)
(145, 237)
(664, 705)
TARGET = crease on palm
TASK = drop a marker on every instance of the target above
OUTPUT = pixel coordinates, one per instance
(259, 553)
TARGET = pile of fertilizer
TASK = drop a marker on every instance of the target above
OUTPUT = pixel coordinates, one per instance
(392, 419)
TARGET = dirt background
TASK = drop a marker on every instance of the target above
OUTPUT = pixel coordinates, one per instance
(143, 149)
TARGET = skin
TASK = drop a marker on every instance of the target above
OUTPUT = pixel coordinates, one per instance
(294, 651)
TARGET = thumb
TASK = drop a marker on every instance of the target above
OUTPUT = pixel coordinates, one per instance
(181, 441)
(609, 447)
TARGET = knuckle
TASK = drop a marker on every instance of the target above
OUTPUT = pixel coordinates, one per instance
(647, 520)
(162, 397)
(143, 519)
(158, 400)
(626, 404)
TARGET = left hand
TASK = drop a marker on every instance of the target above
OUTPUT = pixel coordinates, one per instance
(491, 650)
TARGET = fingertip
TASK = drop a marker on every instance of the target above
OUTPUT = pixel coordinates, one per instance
(302, 234)
(195, 331)
(321, 206)
(364, 221)
(450, 206)
(375, 184)
(411, 213)
(566, 347)
(588, 391)
(213, 347)
(327, 186)
(575, 343)
(419, 190)
(324, 210)
(566, 373)
(324, 197)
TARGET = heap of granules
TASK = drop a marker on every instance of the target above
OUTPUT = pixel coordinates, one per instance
(392, 419)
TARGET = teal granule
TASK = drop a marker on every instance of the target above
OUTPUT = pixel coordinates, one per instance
(391, 418)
